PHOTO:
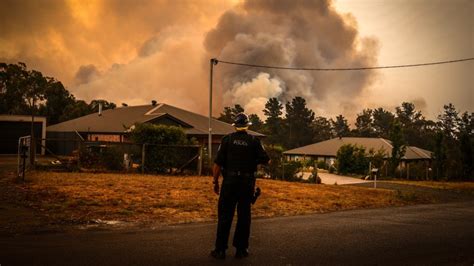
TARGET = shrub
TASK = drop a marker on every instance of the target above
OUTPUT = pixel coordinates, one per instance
(158, 134)
(323, 165)
(314, 178)
(110, 158)
(290, 169)
(273, 169)
(352, 159)
(162, 151)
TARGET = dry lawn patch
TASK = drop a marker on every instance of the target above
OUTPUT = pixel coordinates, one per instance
(84, 197)
(454, 186)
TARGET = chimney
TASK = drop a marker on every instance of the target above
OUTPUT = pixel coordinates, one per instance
(153, 102)
(100, 109)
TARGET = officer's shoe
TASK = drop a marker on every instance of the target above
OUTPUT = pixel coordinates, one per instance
(241, 253)
(218, 254)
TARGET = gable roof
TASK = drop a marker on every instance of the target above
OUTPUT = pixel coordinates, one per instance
(119, 119)
(331, 146)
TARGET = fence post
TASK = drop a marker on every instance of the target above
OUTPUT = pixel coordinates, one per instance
(200, 161)
(408, 170)
(79, 156)
(143, 158)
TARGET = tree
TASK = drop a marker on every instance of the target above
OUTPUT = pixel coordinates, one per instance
(352, 159)
(340, 127)
(322, 129)
(230, 112)
(12, 81)
(407, 114)
(398, 146)
(94, 105)
(273, 123)
(364, 124)
(161, 158)
(467, 157)
(412, 122)
(439, 155)
(57, 99)
(382, 122)
(449, 121)
(298, 123)
(33, 91)
(257, 123)
(77, 109)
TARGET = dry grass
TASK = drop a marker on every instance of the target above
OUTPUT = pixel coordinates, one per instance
(82, 197)
(455, 186)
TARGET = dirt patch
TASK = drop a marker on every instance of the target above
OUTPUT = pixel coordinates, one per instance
(51, 199)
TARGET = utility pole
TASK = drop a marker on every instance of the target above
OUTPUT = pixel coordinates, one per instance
(213, 62)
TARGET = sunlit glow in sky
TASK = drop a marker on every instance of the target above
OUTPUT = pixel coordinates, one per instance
(136, 51)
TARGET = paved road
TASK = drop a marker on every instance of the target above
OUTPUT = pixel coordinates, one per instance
(425, 234)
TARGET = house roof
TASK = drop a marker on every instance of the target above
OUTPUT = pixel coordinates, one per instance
(331, 146)
(119, 119)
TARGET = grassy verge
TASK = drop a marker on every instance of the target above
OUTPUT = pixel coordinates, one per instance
(77, 198)
(466, 187)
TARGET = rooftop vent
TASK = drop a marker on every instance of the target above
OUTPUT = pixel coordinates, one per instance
(100, 109)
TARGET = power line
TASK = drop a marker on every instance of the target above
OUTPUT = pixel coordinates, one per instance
(343, 69)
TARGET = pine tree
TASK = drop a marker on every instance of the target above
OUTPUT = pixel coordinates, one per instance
(398, 145)
(365, 124)
(298, 122)
(273, 123)
(340, 126)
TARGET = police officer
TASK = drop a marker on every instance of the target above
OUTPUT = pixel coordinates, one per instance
(238, 157)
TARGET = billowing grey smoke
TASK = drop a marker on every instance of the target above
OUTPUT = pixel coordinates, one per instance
(303, 33)
(86, 74)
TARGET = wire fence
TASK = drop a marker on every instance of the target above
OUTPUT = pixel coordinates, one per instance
(74, 154)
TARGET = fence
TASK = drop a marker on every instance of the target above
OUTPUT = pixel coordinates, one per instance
(74, 154)
(23, 154)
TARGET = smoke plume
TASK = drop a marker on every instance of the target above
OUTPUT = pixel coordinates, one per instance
(295, 33)
(135, 51)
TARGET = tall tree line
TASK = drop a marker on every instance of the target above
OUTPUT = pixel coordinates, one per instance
(28, 92)
(450, 137)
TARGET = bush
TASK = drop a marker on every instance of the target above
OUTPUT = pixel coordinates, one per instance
(163, 153)
(290, 169)
(109, 158)
(158, 134)
(323, 165)
(352, 159)
(314, 178)
(112, 159)
(273, 169)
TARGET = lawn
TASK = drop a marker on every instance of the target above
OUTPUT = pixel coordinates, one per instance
(81, 198)
(466, 187)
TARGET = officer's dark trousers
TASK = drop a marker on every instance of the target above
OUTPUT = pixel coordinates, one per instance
(234, 194)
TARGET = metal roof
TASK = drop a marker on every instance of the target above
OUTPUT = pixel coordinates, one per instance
(331, 146)
(119, 119)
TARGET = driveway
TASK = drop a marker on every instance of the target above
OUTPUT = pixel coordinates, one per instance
(331, 179)
(417, 235)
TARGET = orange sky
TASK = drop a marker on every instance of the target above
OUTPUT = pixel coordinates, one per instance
(135, 51)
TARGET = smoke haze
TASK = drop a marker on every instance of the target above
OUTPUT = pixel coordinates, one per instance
(136, 51)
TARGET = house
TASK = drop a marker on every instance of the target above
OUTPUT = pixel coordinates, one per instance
(112, 124)
(327, 150)
(12, 127)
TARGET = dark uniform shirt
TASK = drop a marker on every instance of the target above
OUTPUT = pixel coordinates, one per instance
(240, 152)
